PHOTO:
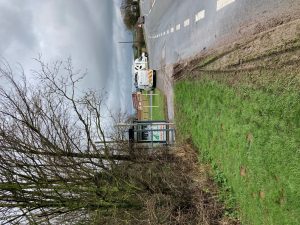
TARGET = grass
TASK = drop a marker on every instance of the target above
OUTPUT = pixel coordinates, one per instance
(158, 113)
(158, 100)
(251, 136)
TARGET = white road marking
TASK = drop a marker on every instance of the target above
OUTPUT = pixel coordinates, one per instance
(200, 15)
(186, 23)
(172, 29)
(222, 3)
(164, 33)
(178, 26)
(163, 52)
(153, 3)
(168, 31)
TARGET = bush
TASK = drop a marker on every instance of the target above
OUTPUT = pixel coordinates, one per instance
(130, 13)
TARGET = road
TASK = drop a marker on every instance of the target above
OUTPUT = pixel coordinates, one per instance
(176, 30)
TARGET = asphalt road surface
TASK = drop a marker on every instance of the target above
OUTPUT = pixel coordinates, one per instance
(178, 29)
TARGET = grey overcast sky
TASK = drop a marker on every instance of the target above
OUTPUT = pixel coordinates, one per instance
(86, 30)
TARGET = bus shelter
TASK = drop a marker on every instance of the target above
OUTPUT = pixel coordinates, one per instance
(152, 132)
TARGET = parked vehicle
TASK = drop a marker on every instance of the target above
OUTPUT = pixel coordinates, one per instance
(145, 79)
(141, 21)
(141, 63)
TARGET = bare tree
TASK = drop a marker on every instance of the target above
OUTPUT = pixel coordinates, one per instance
(50, 164)
(53, 171)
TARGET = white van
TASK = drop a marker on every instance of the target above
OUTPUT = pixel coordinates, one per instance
(144, 79)
(141, 63)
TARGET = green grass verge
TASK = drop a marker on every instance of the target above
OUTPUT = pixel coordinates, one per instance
(158, 100)
(251, 136)
(158, 113)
